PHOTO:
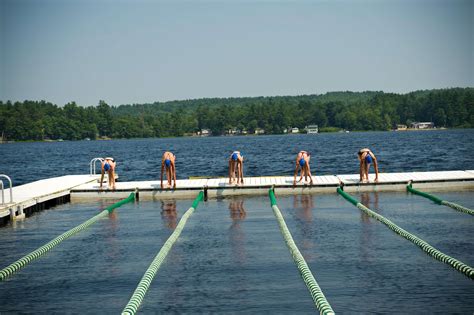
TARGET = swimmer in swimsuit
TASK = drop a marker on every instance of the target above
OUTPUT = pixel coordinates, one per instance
(236, 165)
(108, 165)
(302, 161)
(366, 157)
(168, 161)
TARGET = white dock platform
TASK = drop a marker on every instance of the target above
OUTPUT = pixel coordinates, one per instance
(31, 194)
(217, 187)
(87, 186)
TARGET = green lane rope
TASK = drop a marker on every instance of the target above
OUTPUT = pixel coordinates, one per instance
(417, 192)
(145, 282)
(430, 250)
(439, 201)
(20, 263)
(318, 296)
(457, 207)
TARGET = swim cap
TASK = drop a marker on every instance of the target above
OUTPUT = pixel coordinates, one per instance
(235, 156)
(302, 162)
(167, 162)
(106, 167)
(368, 159)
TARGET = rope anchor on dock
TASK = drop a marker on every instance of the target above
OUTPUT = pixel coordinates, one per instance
(205, 192)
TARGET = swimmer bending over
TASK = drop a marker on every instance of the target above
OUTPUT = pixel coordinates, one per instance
(168, 161)
(108, 165)
(302, 160)
(366, 157)
(236, 165)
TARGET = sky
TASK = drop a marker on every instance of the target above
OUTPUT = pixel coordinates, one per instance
(128, 52)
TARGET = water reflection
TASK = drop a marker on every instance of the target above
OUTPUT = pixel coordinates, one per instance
(169, 213)
(113, 250)
(237, 211)
(371, 201)
(169, 217)
(237, 237)
(303, 212)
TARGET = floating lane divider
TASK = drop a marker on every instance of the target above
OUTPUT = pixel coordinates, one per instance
(430, 250)
(318, 296)
(439, 201)
(20, 263)
(142, 288)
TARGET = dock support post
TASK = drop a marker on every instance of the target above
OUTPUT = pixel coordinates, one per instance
(12, 213)
(137, 194)
(21, 214)
(341, 185)
(205, 192)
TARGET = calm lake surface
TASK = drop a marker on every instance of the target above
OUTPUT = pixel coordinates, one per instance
(232, 258)
(332, 153)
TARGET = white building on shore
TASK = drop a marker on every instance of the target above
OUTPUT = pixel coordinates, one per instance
(312, 129)
(422, 125)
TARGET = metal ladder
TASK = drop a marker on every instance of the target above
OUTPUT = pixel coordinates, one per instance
(11, 208)
(92, 165)
(3, 188)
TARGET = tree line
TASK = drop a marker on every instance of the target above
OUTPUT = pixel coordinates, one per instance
(41, 120)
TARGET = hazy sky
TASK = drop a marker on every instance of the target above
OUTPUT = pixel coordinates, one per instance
(146, 51)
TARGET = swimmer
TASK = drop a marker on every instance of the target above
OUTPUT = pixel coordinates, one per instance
(366, 157)
(302, 161)
(108, 165)
(236, 165)
(167, 161)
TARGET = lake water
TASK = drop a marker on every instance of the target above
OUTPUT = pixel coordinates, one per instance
(231, 257)
(332, 153)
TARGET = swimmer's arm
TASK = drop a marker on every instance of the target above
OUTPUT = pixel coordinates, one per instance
(230, 171)
(360, 170)
(101, 177)
(174, 175)
(310, 176)
(376, 167)
(242, 171)
(296, 172)
(161, 177)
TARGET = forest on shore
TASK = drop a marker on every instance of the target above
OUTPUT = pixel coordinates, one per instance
(42, 120)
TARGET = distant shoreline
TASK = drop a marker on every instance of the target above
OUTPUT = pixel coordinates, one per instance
(241, 135)
(330, 112)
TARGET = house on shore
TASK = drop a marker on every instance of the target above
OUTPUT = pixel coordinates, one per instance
(204, 133)
(312, 129)
(232, 132)
(422, 125)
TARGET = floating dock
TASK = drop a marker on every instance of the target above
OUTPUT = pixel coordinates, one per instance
(220, 187)
(40, 195)
(49, 192)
